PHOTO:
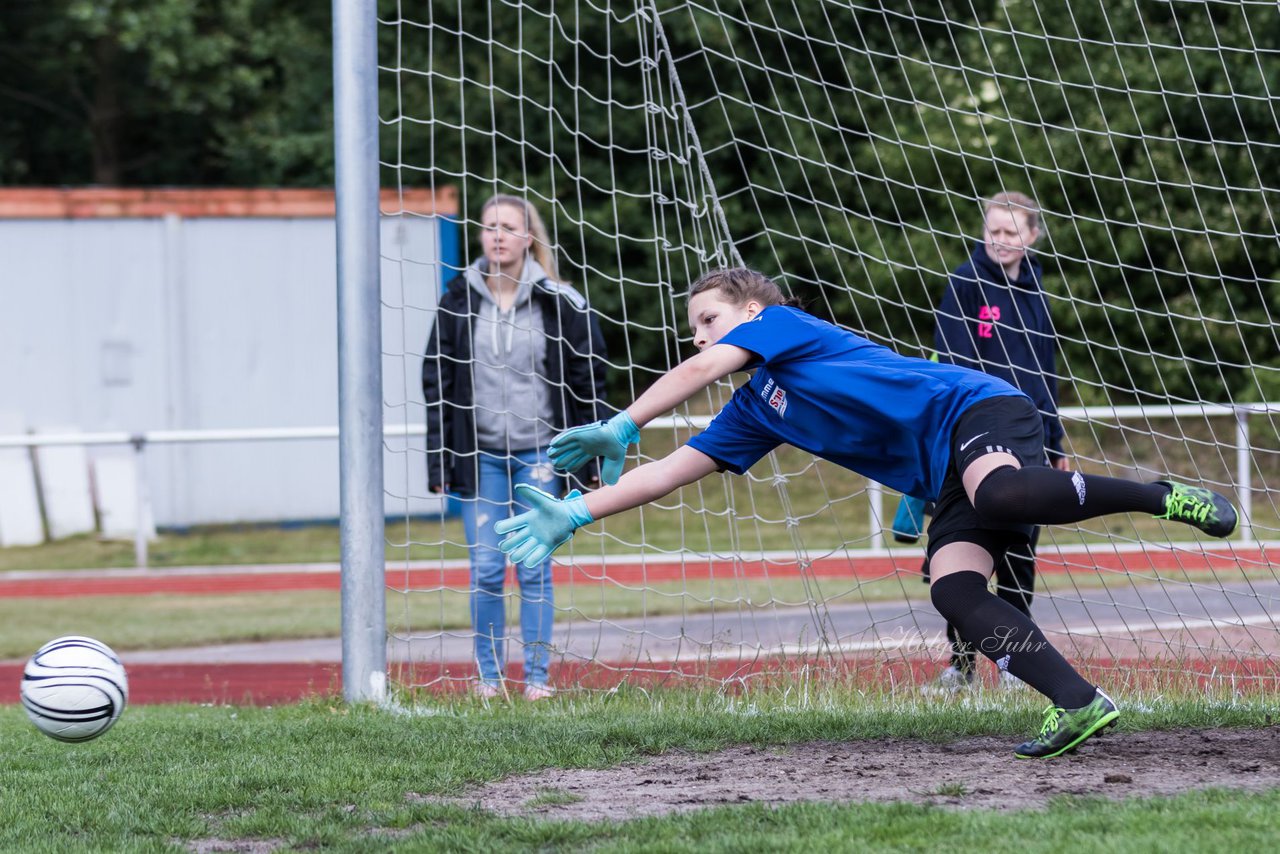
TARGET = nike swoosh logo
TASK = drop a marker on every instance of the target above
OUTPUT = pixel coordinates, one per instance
(974, 439)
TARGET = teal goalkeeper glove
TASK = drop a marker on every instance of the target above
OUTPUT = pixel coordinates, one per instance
(543, 529)
(573, 449)
(908, 522)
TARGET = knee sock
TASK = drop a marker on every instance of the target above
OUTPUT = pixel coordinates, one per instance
(1043, 496)
(1009, 638)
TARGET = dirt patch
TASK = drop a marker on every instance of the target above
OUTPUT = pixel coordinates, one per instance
(239, 846)
(968, 774)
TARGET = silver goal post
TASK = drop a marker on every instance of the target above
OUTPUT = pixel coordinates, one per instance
(355, 120)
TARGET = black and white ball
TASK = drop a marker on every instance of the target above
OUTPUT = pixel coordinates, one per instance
(74, 688)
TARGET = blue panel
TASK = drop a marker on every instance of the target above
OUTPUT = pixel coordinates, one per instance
(451, 262)
(451, 265)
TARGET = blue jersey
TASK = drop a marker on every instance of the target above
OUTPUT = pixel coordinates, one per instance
(840, 397)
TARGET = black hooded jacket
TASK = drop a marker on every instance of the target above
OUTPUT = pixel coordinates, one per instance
(574, 369)
(1002, 327)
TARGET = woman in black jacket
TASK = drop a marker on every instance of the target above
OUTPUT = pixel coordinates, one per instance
(514, 357)
(994, 318)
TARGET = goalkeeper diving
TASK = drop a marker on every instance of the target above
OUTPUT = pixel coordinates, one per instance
(968, 441)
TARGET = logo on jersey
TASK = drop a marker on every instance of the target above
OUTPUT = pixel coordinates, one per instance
(778, 400)
(988, 317)
(775, 395)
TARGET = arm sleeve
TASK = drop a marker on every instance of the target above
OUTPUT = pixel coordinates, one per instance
(1053, 432)
(953, 331)
(733, 439)
(586, 365)
(1053, 435)
(777, 333)
(437, 387)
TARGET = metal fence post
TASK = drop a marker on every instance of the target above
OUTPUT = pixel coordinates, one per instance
(1244, 474)
(142, 501)
(875, 525)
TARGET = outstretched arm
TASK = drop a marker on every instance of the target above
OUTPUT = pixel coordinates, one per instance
(572, 449)
(650, 481)
(687, 379)
(534, 535)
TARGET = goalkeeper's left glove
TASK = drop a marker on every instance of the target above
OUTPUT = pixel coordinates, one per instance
(908, 522)
(550, 523)
(573, 449)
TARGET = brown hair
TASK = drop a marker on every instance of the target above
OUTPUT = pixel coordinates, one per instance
(541, 246)
(1015, 201)
(739, 285)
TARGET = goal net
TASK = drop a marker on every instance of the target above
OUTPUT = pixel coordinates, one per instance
(846, 148)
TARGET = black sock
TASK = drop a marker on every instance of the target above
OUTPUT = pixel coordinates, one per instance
(1009, 638)
(1038, 495)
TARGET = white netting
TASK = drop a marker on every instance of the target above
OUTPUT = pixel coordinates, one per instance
(845, 148)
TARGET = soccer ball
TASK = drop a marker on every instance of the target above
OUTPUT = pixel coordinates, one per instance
(74, 688)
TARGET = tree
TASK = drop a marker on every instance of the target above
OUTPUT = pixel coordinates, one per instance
(844, 147)
(147, 92)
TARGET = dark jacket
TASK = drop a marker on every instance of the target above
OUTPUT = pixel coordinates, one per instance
(1003, 328)
(574, 368)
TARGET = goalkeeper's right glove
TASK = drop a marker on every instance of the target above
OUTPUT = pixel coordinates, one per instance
(544, 528)
(573, 449)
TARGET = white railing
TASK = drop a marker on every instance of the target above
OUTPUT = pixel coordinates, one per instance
(1244, 451)
(140, 442)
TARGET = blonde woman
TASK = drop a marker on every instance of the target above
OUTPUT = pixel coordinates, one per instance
(515, 356)
(994, 318)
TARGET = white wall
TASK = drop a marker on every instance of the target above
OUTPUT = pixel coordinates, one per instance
(148, 324)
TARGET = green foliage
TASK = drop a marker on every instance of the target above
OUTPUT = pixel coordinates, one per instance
(848, 149)
(153, 92)
(841, 147)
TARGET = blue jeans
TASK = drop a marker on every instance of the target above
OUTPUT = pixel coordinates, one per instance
(498, 474)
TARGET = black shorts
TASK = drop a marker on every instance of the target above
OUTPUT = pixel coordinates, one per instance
(1008, 425)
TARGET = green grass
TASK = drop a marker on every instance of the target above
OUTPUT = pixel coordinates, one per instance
(551, 798)
(202, 546)
(655, 529)
(163, 620)
(159, 622)
(825, 509)
(322, 775)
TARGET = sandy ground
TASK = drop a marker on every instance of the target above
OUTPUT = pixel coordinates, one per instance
(968, 774)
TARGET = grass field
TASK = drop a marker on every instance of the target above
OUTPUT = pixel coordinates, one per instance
(823, 507)
(171, 620)
(653, 530)
(160, 621)
(322, 775)
(174, 620)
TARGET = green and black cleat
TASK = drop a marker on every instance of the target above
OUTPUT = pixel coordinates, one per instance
(1066, 729)
(1199, 507)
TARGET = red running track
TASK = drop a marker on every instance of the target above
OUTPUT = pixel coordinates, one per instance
(270, 684)
(454, 574)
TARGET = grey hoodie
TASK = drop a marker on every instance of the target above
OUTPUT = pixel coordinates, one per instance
(513, 403)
